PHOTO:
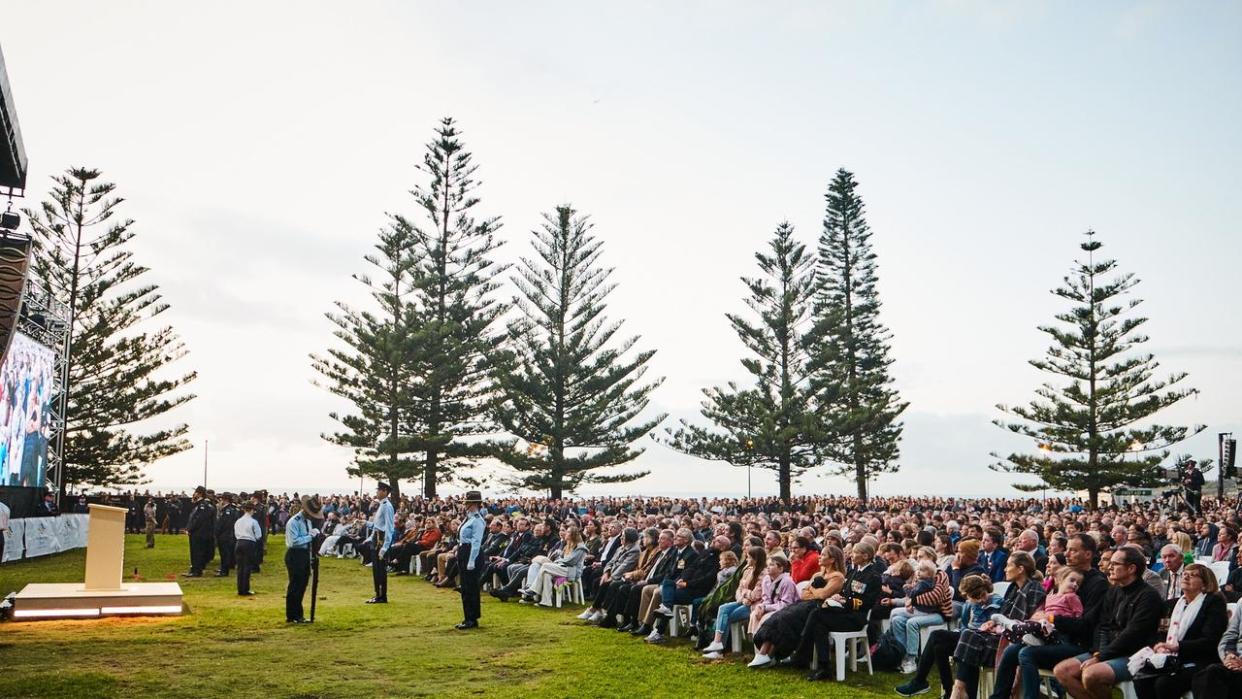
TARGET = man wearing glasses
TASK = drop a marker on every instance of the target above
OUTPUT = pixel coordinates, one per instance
(1126, 621)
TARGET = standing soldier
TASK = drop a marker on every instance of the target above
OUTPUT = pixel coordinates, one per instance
(246, 532)
(383, 528)
(259, 498)
(225, 519)
(470, 560)
(201, 528)
(148, 513)
(300, 535)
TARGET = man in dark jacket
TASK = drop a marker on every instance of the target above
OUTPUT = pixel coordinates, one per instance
(498, 564)
(1128, 619)
(201, 528)
(628, 600)
(1079, 555)
(694, 581)
(226, 541)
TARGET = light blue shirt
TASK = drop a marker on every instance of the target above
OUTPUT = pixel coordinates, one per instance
(472, 533)
(384, 522)
(246, 529)
(298, 532)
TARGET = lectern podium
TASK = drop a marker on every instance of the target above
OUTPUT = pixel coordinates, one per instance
(105, 593)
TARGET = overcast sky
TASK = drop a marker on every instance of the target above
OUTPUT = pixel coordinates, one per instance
(259, 146)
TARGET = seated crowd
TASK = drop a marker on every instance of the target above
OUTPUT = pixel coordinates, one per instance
(1002, 589)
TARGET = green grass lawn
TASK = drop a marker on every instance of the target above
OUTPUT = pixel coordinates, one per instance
(228, 646)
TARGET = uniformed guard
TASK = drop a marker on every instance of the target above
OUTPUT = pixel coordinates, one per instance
(225, 539)
(470, 560)
(383, 528)
(201, 528)
(259, 498)
(300, 535)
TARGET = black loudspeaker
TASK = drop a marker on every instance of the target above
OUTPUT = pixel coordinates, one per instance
(1229, 457)
(10, 220)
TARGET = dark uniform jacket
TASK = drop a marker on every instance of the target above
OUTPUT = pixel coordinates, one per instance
(201, 523)
(680, 561)
(225, 520)
(700, 573)
(861, 590)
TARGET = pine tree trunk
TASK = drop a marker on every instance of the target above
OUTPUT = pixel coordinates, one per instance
(786, 477)
(395, 481)
(860, 469)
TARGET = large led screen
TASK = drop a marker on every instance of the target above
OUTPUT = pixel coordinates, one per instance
(25, 412)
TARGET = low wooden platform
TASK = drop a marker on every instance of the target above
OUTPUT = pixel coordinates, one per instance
(73, 600)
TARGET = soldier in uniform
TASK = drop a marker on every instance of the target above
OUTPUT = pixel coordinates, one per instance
(383, 529)
(225, 540)
(470, 560)
(148, 513)
(201, 529)
(259, 499)
(300, 535)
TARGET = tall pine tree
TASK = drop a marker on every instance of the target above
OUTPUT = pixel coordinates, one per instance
(1087, 429)
(373, 368)
(116, 377)
(454, 285)
(770, 423)
(564, 383)
(851, 363)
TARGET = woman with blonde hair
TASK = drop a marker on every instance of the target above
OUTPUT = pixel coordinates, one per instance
(566, 563)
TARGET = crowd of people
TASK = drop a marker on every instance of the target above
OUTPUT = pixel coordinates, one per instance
(1002, 588)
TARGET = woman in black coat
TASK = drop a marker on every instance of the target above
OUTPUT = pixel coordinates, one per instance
(1193, 636)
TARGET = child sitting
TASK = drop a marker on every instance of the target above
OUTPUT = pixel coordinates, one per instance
(924, 581)
(728, 565)
(981, 601)
(1064, 602)
(894, 580)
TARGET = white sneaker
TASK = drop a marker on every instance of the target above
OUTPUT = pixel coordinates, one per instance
(909, 666)
(760, 660)
(663, 610)
(1031, 639)
(714, 647)
(654, 637)
(714, 655)
(586, 616)
(597, 617)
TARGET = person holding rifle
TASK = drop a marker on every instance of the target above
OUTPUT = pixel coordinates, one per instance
(383, 529)
(470, 560)
(300, 535)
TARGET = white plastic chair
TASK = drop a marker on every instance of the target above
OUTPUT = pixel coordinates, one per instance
(737, 635)
(850, 642)
(674, 624)
(1221, 570)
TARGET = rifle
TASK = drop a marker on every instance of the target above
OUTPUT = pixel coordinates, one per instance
(314, 553)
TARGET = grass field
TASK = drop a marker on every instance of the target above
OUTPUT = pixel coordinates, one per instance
(228, 646)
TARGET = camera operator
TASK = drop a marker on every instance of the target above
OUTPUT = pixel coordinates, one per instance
(1192, 484)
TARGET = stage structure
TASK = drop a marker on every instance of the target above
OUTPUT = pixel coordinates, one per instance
(15, 247)
(45, 320)
(105, 592)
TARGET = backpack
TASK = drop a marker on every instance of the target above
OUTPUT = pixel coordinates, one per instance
(888, 653)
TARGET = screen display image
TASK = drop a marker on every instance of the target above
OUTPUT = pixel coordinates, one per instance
(25, 412)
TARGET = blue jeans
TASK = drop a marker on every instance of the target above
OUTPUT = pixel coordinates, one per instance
(906, 627)
(1028, 660)
(728, 613)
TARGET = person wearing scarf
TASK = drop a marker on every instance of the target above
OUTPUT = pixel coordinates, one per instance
(1196, 625)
